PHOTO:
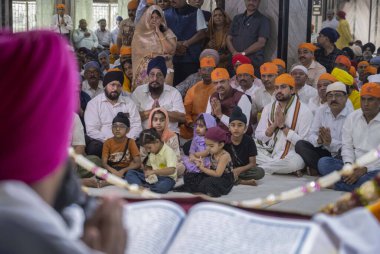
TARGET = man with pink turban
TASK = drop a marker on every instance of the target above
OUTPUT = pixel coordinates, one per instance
(37, 116)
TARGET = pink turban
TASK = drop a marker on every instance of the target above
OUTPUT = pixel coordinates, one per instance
(38, 97)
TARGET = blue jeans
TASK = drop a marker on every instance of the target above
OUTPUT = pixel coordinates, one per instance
(163, 185)
(326, 165)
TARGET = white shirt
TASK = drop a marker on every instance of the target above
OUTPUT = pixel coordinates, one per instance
(65, 29)
(87, 89)
(29, 224)
(325, 118)
(114, 34)
(305, 117)
(260, 98)
(77, 132)
(358, 137)
(244, 104)
(170, 99)
(255, 86)
(104, 38)
(330, 23)
(100, 113)
(306, 93)
(87, 42)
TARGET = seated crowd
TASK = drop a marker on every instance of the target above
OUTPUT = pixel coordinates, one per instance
(187, 93)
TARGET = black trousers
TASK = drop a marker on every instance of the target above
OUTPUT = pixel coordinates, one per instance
(310, 154)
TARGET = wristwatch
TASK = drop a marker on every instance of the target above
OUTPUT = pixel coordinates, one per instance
(243, 53)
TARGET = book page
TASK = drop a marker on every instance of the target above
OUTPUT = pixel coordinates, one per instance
(151, 226)
(213, 228)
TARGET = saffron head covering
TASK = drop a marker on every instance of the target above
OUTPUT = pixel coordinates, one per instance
(113, 75)
(114, 49)
(219, 74)
(210, 52)
(241, 59)
(269, 68)
(207, 61)
(353, 71)
(246, 68)
(343, 60)
(159, 63)
(132, 5)
(286, 79)
(125, 51)
(280, 62)
(343, 76)
(309, 46)
(36, 146)
(327, 76)
(370, 70)
(167, 133)
(60, 6)
(370, 89)
(363, 63)
(330, 33)
(217, 134)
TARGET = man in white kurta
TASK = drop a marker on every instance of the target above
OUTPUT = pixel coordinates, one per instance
(61, 22)
(104, 107)
(283, 123)
(304, 91)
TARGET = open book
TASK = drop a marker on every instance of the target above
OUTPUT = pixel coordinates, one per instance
(164, 227)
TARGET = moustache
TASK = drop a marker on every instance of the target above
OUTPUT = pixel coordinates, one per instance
(333, 103)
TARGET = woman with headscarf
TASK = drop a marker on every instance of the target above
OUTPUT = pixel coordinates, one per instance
(152, 38)
(344, 31)
(218, 27)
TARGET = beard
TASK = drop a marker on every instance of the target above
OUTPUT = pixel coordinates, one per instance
(156, 88)
(283, 97)
(113, 96)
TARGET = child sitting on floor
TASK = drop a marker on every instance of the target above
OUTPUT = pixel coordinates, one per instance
(217, 179)
(120, 153)
(243, 151)
(160, 173)
(159, 119)
(198, 146)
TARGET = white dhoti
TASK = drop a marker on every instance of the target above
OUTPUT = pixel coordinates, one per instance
(291, 163)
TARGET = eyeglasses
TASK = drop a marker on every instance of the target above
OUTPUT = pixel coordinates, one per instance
(157, 75)
(119, 126)
(336, 95)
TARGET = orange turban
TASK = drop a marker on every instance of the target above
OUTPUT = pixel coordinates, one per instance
(132, 5)
(60, 6)
(327, 76)
(343, 76)
(219, 74)
(280, 62)
(269, 68)
(125, 50)
(246, 68)
(370, 89)
(309, 46)
(207, 61)
(286, 79)
(353, 71)
(370, 70)
(343, 60)
(114, 49)
(363, 63)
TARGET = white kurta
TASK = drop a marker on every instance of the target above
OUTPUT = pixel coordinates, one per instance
(306, 93)
(272, 162)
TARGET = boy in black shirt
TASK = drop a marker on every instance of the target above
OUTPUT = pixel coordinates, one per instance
(243, 151)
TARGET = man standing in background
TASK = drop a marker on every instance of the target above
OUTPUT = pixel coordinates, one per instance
(61, 22)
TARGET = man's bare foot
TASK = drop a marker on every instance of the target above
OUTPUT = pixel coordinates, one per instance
(297, 173)
(251, 182)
